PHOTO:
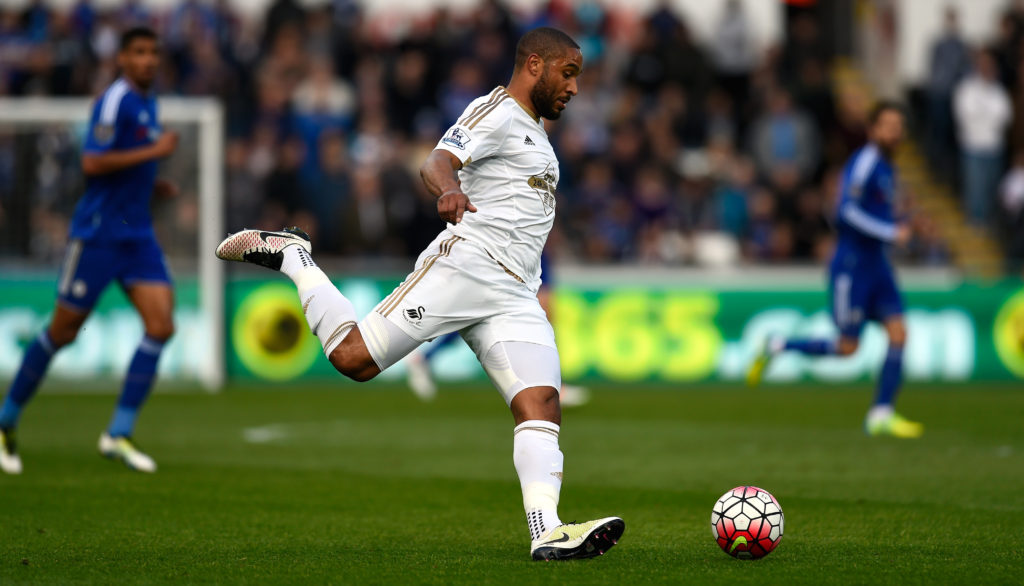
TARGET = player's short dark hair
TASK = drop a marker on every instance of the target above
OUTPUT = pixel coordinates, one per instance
(136, 32)
(882, 107)
(544, 41)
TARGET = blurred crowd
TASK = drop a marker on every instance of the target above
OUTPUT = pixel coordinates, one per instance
(675, 151)
(975, 124)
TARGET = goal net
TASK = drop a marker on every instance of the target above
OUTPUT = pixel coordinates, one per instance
(40, 183)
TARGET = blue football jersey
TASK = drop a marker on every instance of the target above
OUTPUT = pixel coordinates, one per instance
(865, 216)
(115, 206)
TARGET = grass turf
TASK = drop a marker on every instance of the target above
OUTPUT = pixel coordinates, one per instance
(365, 485)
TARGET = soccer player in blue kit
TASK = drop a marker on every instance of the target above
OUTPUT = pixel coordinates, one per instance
(862, 283)
(111, 238)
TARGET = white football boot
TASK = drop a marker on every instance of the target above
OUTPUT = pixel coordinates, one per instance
(576, 541)
(261, 247)
(10, 461)
(124, 450)
(573, 396)
(420, 379)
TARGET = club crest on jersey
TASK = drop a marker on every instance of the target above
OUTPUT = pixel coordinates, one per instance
(456, 138)
(544, 184)
(103, 133)
(414, 315)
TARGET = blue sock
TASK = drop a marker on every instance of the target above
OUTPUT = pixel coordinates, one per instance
(439, 345)
(891, 377)
(137, 384)
(811, 347)
(33, 367)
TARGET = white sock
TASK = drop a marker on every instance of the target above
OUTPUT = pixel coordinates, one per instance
(329, 314)
(295, 262)
(538, 462)
(880, 413)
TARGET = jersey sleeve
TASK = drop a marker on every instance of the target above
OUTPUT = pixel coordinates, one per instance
(864, 194)
(478, 134)
(107, 123)
(867, 223)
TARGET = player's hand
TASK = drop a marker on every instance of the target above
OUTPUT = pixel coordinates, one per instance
(166, 143)
(452, 205)
(903, 234)
(165, 188)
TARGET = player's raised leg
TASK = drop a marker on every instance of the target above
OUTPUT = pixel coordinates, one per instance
(528, 375)
(330, 315)
(62, 331)
(848, 299)
(155, 303)
(775, 345)
(882, 419)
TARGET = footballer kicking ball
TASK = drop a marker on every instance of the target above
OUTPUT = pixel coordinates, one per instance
(747, 522)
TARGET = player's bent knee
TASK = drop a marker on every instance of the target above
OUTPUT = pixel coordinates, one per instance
(62, 338)
(847, 347)
(356, 367)
(897, 333)
(537, 403)
(161, 331)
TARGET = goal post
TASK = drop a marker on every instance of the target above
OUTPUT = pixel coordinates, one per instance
(27, 115)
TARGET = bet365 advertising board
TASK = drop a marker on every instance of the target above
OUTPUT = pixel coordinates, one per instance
(670, 333)
(617, 332)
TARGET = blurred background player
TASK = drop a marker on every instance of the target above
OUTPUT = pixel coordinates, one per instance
(421, 376)
(111, 238)
(862, 283)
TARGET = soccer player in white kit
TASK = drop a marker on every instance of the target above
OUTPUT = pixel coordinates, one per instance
(494, 174)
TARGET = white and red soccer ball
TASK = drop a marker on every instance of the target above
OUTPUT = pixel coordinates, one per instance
(747, 522)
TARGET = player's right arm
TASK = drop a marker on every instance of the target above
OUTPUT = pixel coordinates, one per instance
(862, 184)
(109, 161)
(440, 175)
(477, 135)
(872, 226)
(115, 117)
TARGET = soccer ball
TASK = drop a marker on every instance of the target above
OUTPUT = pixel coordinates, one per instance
(747, 522)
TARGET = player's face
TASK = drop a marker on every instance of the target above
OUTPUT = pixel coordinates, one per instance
(139, 61)
(557, 84)
(888, 129)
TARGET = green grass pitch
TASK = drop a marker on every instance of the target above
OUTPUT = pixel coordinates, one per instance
(364, 485)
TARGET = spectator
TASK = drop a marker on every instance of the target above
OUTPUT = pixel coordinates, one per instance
(1012, 199)
(330, 110)
(983, 113)
(785, 144)
(733, 51)
(950, 61)
(732, 197)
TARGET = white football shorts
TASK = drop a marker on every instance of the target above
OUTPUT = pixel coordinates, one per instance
(457, 286)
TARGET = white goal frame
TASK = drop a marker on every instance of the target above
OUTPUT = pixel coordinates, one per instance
(208, 115)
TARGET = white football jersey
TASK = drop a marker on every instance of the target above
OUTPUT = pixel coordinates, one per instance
(509, 172)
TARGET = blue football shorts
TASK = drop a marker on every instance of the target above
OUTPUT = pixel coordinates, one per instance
(863, 294)
(90, 266)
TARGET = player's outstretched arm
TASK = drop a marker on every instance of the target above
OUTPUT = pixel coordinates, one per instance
(111, 161)
(439, 175)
